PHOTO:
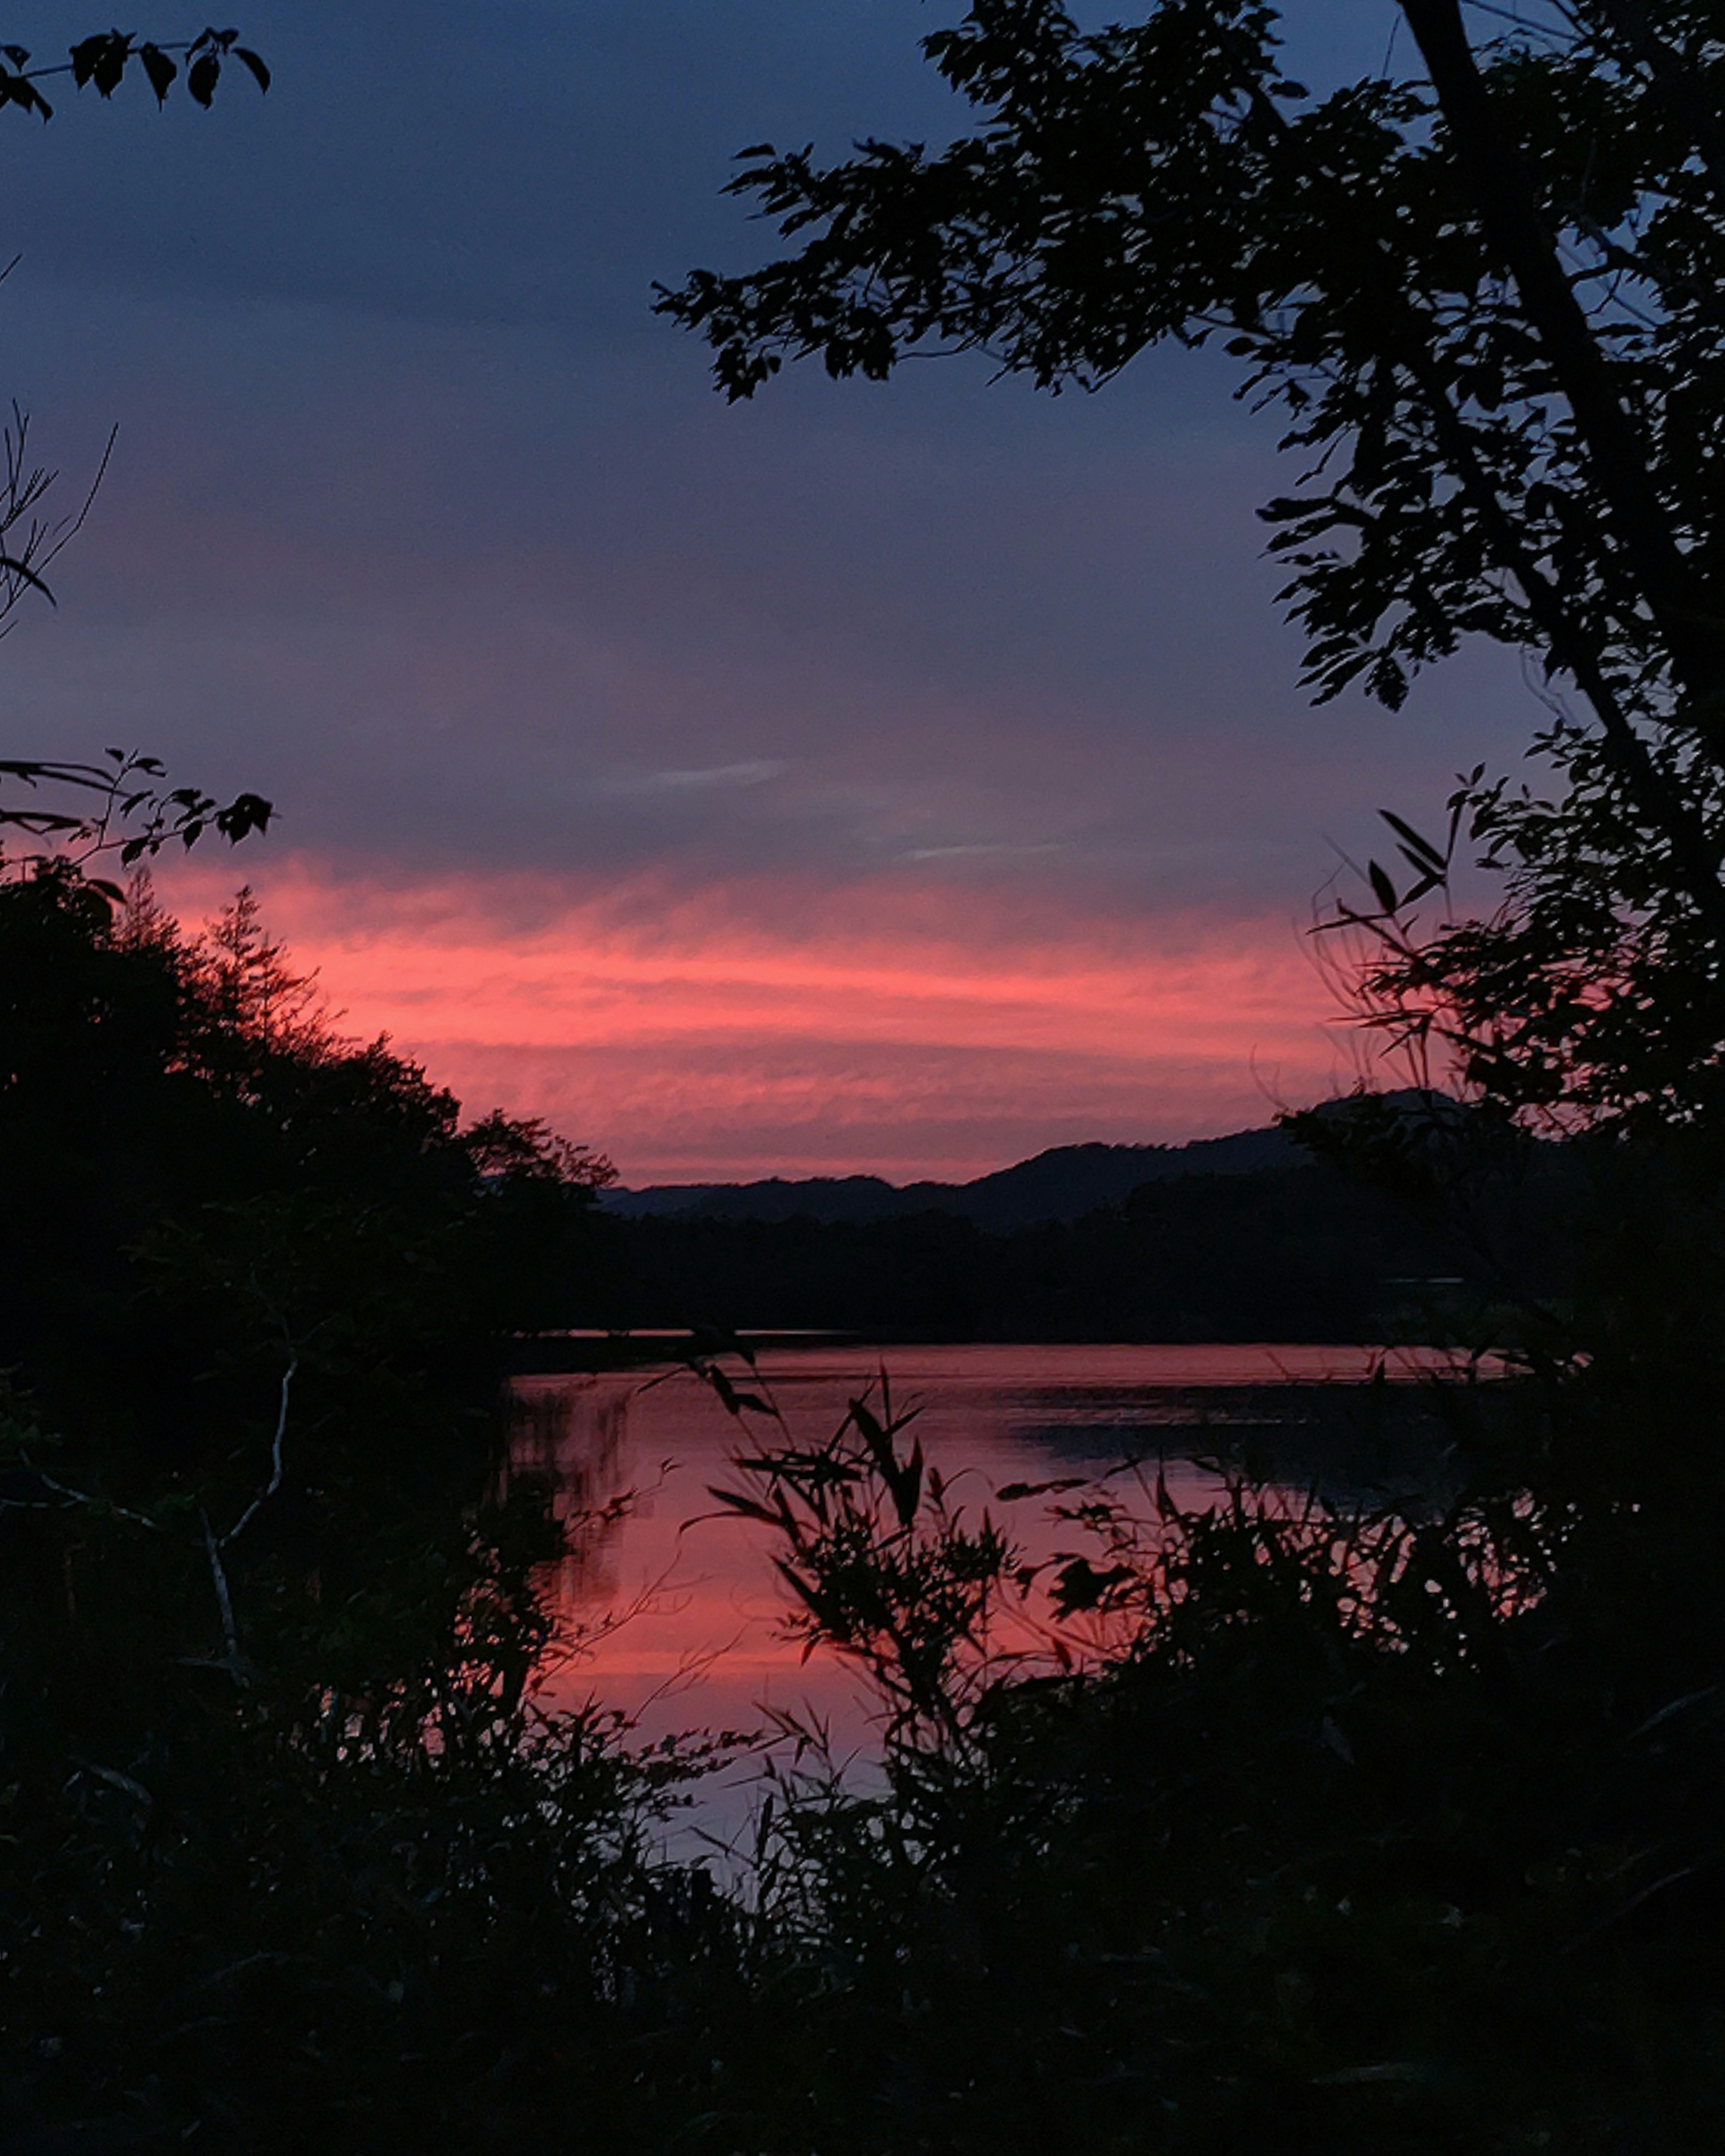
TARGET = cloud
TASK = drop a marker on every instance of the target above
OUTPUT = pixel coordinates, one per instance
(898, 776)
(991, 850)
(756, 773)
(800, 1026)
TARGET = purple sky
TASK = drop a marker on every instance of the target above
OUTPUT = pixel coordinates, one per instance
(734, 769)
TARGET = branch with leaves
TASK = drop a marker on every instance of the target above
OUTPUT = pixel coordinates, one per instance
(1481, 293)
(103, 61)
(88, 810)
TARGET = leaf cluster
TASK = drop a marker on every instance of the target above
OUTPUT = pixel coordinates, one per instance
(116, 806)
(1481, 295)
(103, 59)
(1167, 180)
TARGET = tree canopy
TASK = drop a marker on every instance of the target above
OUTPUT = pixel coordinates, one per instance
(1482, 295)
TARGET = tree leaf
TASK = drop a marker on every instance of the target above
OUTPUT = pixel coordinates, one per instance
(160, 68)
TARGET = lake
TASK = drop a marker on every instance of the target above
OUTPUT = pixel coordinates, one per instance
(678, 1616)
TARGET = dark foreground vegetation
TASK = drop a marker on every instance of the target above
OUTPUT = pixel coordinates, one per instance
(1288, 1829)
(1401, 1829)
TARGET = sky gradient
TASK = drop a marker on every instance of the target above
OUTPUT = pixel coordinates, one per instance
(899, 778)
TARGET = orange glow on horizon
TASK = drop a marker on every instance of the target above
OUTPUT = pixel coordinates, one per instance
(798, 1028)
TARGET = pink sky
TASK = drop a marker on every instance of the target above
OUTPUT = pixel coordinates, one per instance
(802, 1028)
(899, 777)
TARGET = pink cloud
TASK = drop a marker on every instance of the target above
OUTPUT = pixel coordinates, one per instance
(909, 1026)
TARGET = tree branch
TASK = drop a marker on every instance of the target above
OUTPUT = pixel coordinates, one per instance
(1509, 214)
(233, 1662)
(274, 1484)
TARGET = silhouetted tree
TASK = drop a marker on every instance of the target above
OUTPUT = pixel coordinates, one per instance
(1483, 294)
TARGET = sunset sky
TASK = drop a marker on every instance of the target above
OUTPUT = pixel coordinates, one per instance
(901, 778)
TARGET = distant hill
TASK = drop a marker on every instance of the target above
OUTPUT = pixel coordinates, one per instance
(1249, 1237)
(1064, 1183)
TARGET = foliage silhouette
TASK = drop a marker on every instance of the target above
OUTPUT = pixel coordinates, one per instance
(113, 805)
(106, 58)
(1261, 1825)
(269, 1748)
(1483, 298)
(1216, 1826)
(1307, 1843)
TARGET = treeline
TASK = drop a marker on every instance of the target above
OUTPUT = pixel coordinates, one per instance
(257, 1569)
(204, 1182)
(1302, 1252)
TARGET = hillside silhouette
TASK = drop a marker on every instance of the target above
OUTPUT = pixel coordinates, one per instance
(1252, 1236)
(1063, 1182)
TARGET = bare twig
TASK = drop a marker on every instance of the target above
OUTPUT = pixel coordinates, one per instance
(83, 1498)
(234, 1662)
(274, 1484)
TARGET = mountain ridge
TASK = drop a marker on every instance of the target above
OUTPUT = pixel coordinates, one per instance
(1062, 1183)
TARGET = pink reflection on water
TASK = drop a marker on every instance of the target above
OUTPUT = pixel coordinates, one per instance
(676, 1614)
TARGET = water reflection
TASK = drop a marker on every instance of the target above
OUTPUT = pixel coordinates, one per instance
(572, 1434)
(674, 1609)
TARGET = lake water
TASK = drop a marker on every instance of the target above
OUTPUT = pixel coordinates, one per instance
(677, 1615)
